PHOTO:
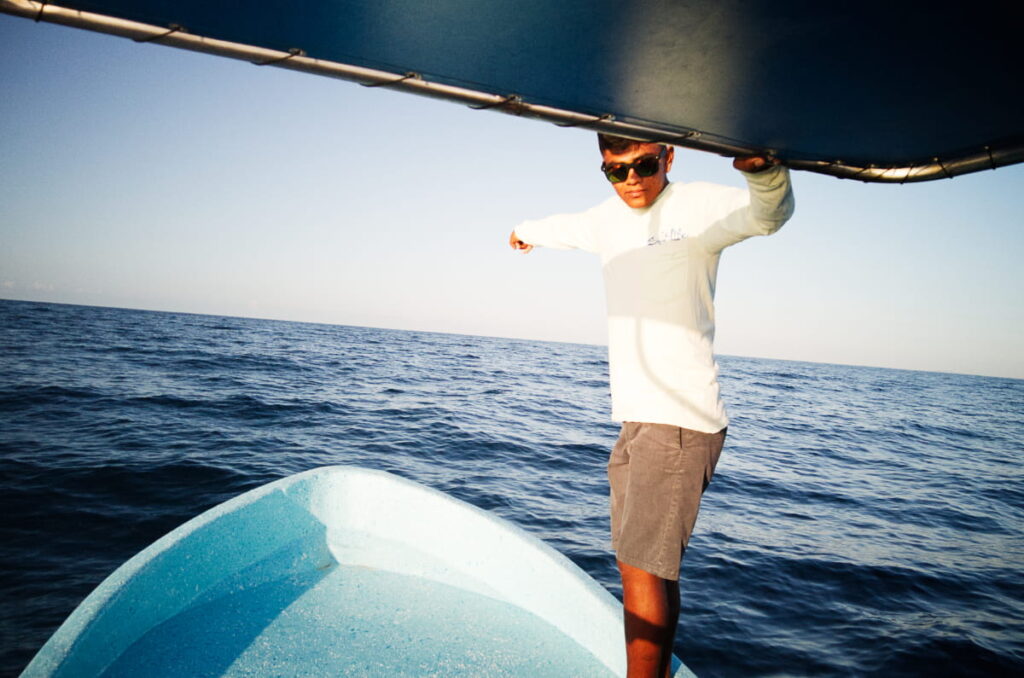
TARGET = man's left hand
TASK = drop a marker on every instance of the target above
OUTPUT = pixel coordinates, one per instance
(753, 163)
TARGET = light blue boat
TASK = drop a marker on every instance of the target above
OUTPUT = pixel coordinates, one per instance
(343, 571)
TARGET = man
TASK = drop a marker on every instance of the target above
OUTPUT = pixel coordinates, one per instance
(659, 244)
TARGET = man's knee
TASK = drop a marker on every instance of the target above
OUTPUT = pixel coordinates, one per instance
(643, 627)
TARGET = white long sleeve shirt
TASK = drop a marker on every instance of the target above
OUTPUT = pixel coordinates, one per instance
(660, 263)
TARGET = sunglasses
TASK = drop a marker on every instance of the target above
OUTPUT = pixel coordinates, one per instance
(644, 166)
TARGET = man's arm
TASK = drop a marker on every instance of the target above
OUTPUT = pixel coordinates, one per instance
(761, 210)
(560, 232)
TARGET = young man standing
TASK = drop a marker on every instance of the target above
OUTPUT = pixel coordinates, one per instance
(659, 244)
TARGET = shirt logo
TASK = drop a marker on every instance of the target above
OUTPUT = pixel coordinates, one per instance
(674, 234)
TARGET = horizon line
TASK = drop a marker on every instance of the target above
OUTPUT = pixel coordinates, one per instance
(484, 336)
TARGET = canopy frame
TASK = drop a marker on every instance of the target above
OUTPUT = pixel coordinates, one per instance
(988, 157)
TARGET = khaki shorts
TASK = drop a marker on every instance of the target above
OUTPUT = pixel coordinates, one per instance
(657, 474)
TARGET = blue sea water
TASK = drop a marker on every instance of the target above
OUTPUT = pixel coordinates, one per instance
(862, 522)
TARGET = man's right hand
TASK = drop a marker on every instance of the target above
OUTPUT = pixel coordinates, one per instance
(517, 244)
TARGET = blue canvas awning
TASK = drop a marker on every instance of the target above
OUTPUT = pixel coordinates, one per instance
(893, 91)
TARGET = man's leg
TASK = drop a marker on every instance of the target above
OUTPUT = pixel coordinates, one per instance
(651, 607)
(657, 474)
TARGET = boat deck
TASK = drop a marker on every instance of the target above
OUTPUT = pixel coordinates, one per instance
(355, 621)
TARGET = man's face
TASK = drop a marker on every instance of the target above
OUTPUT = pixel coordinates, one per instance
(637, 191)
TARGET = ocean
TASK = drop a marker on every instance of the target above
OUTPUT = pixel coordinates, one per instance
(862, 521)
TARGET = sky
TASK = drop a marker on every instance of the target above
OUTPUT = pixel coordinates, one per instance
(141, 176)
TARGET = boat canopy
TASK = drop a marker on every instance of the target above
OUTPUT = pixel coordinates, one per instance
(878, 91)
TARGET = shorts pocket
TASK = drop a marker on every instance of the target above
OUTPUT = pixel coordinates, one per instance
(659, 449)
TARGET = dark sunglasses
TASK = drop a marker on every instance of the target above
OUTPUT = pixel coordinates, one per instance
(644, 166)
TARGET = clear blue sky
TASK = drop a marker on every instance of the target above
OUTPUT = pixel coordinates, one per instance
(142, 176)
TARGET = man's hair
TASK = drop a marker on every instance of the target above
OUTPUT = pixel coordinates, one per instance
(614, 144)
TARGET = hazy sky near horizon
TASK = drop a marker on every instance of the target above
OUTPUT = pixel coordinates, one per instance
(142, 176)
